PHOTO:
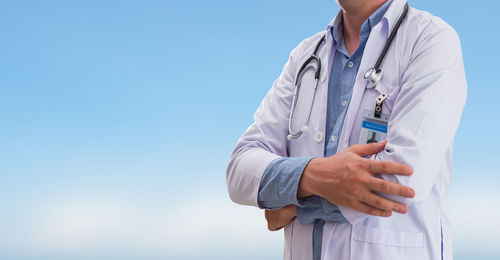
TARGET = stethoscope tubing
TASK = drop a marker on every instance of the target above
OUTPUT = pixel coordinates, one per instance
(314, 57)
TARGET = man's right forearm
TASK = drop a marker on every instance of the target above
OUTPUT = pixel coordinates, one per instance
(347, 179)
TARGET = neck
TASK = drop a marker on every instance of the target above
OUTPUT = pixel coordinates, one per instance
(354, 14)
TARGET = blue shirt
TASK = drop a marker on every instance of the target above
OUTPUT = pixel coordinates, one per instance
(279, 183)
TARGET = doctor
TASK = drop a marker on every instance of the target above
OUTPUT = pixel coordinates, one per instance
(379, 69)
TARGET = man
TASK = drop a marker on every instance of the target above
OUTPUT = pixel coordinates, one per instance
(333, 201)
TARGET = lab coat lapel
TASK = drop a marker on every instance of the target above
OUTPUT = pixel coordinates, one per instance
(326, 55)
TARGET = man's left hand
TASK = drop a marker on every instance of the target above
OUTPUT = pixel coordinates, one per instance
(277, 219)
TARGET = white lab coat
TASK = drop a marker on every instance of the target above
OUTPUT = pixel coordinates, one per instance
(425, 79)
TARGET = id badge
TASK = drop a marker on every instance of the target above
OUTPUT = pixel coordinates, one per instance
(373, 129)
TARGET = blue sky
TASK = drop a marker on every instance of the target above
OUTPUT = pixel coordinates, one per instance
(118, 118)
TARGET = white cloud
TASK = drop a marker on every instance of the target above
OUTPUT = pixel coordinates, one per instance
(96, 226)
(217, 224)
(197, 227)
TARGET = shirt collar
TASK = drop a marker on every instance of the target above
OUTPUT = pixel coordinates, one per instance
(335, 27)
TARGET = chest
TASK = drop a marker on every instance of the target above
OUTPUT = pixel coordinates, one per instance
(357, 101)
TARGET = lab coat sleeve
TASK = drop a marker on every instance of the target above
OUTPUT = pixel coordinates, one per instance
(425, 115)
(264, 141)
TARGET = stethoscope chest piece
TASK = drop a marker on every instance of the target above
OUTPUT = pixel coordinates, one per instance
(373, 77)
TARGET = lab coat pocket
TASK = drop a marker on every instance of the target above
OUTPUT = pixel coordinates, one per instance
(376, 243)
(389, 237)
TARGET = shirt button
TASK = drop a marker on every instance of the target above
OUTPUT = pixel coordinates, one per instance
(344, 103)
(323, 77)
(350, 64)
(334, 138)
(318, 137)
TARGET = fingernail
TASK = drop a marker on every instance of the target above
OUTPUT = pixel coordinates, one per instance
(410, 193)
(387, 214)
(402, 209)
(409, 170)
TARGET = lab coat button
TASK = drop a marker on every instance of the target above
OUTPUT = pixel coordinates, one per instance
(323, 77)
(318, 137)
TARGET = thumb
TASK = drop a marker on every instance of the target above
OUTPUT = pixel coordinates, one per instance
(367, 149)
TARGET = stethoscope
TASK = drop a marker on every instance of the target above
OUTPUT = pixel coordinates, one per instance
(373, 76)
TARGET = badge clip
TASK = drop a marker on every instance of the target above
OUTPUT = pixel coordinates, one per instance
(378, 105)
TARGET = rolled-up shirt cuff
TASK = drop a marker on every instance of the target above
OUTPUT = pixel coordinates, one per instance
(280, 182)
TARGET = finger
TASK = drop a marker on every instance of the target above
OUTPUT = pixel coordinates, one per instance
(382, 203)
(390, 168)
(390, 188)
(271, 220)
(370, 210)
(367, 149)
(273, 228)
